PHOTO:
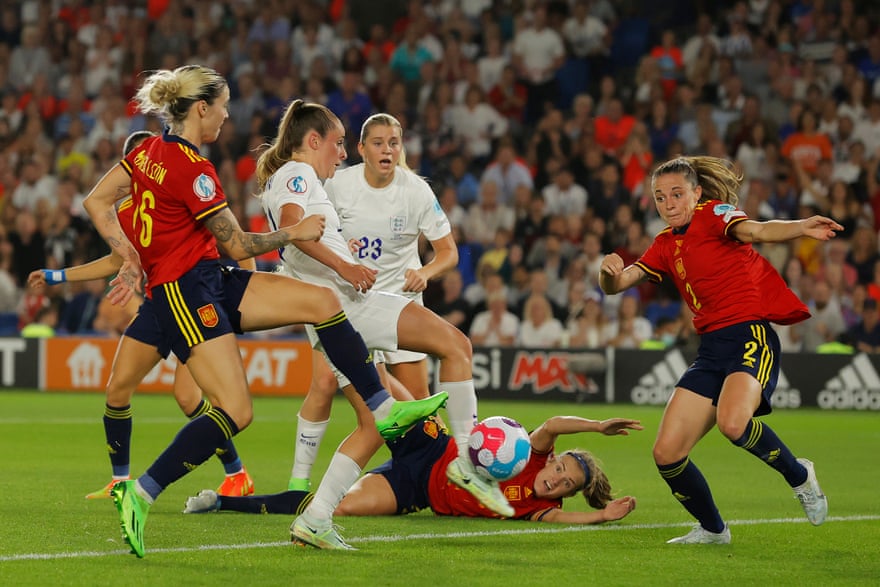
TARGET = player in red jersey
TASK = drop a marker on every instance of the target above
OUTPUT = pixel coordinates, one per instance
(180, 218)
(734, 294)
(117, 409)
(415, 478)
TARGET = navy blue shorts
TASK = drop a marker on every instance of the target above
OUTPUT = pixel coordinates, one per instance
(750, 347)
(201, 305)
(413, 455)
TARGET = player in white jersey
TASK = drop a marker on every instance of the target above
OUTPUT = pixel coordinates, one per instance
(309, 146)
(383, 209)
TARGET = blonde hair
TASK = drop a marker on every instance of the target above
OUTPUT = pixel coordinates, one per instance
(170, 93)
(299, 118)
(597, 492)
(385, 119)
(716, 176)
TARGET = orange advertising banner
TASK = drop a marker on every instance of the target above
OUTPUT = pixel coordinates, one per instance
(274, 367)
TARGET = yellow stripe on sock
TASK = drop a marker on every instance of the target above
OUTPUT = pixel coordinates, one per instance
(337, 319)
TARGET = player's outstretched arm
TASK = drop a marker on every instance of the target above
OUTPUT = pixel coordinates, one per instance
(544, 436)
(238, 244)
(97, 269)
(615, 510)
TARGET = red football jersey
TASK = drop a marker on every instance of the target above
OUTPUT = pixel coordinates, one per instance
(173, 190)
(448, 499)
(722, 280)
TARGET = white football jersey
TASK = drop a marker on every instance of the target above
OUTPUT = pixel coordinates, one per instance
(387, 222)
(296, 183)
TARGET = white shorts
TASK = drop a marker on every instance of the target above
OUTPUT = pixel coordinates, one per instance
(375, 316)
(401, 356)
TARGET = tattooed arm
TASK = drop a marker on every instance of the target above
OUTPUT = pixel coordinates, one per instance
(238, 244)
(100, 205)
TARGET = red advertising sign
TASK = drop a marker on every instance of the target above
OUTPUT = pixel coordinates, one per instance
(273, 367)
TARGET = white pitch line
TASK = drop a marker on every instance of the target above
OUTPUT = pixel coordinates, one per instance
(541, 529)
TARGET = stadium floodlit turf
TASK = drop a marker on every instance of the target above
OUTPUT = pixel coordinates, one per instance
(53, 454)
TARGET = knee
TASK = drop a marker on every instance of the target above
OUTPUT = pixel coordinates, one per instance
(665, 452)
(118, 395)
(731, 428)
(459, 346)
(327, 301)
(323, 385)
(242, 415)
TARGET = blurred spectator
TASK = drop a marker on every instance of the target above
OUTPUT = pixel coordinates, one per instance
(29, 59)
(636, 160)
(9, 292)
(704, 36)
(508, 96)
(352, 105)
(487, 215)
(613, 127)
(408, 57)
(79, 312)
(868, 129)
(865, 335)
(28, 246)
(661, 128)
(538, 328)
(36, 184)
(44, 323)
(508, 171)
(869, 65)
(476, 124)
(539, 284)
(538, 53)
(826, 322)
(491, 66)
(452, 306)
(563, 196)
(630, 329)
(606, 192)
(495, 326)
(665, 334)
(806, 147)
(588, 327)
(552, 256)
(587, 37)
(670, 61)
(863, 254)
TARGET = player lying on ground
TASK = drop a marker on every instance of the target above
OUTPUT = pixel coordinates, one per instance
(415, 479)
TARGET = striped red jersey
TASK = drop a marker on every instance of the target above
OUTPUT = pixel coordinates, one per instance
(173, 190)
(722, 280)
(448, 499)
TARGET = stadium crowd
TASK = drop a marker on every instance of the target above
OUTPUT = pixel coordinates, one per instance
(536, 123)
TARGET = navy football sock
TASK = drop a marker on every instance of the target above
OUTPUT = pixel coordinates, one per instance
(286, 502)
(226, 453)
(117, 431)
(346, 349)
(760, 440)
(193, 445)
(690, 488)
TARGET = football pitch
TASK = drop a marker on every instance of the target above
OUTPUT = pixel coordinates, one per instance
(53, 454)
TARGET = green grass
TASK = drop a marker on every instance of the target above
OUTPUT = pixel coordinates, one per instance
(52, 455)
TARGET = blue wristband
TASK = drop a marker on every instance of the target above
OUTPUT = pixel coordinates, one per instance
(54, 276)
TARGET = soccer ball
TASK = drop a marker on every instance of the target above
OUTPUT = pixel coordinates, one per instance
(499, 448)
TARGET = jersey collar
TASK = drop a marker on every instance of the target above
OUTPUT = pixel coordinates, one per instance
(170, 138)
(681, 230)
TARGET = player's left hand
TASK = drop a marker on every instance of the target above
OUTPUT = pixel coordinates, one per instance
(621, 426)
(126, 284)
(820, 227)
(619, 508)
